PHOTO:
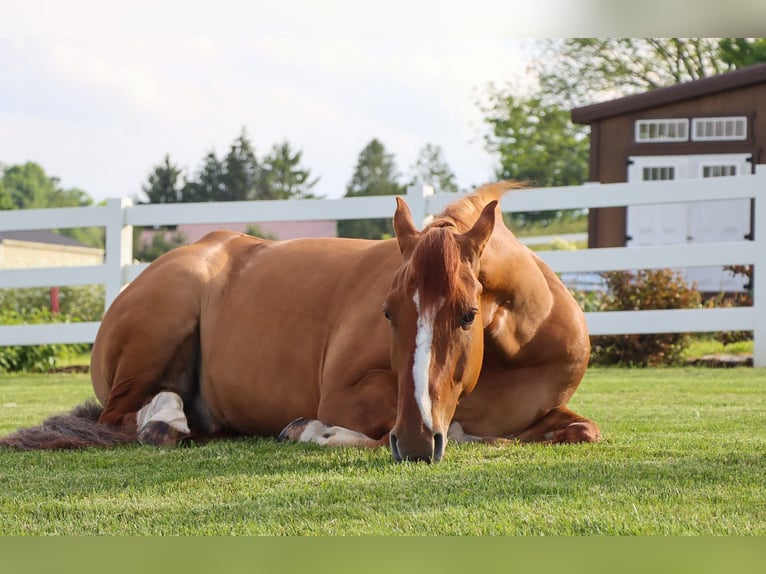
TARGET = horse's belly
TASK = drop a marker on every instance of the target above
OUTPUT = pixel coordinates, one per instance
(254, 407)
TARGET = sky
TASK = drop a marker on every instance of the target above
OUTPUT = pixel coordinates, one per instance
(100, 113)
(99, 92)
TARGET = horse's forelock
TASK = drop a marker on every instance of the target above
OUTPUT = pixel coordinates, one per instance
(436, 270)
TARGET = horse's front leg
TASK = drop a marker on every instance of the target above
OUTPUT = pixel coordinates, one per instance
(458, 435)
(360, 414)
(317, 432)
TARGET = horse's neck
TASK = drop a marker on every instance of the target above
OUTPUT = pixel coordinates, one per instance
(516, 291)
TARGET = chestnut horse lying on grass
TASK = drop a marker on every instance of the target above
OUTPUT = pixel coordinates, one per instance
(234, 335)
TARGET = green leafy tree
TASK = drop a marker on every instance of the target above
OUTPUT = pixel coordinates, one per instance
(580, 71)
(5, 197)
(531, 134)
(165, 183)
(375, 174)
(283, 177)
(742, 52)
(27, 186)
(537, 143)
(431, 169)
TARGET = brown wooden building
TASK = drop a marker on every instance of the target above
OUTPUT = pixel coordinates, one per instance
(711, 127)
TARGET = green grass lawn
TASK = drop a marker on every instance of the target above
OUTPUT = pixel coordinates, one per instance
(684, 453)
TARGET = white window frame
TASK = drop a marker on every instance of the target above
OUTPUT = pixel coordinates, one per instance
(735, 120)
(681, 128)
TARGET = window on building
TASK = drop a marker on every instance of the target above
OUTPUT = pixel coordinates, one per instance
(666, 130)
(658, 173)
(717, 129)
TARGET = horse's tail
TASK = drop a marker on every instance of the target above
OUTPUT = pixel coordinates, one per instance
(77, 429)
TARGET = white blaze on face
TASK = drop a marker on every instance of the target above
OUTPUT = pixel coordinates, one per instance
(421, 366)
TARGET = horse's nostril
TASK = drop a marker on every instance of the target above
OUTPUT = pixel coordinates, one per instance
(438, 446)
(394, 448)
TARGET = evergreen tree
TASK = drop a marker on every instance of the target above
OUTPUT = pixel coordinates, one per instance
(431, 169)
(209, 182)
(165, 184)
(282, 177)
(375, 174)
(240, 171)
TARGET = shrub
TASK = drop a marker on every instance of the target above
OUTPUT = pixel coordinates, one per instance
(644, 289)
(34, 358)
(84, 303)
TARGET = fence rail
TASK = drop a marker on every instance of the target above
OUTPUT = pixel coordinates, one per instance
(119, 216)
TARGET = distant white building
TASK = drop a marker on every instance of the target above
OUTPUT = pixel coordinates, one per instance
(28, 249)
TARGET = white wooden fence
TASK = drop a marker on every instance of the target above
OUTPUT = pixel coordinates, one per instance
(119, 216)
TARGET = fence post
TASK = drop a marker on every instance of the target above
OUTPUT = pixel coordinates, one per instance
(759, 269)
(119, 246)
(417, 199)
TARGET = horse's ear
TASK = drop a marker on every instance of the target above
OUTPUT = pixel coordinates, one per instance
(473, 241)
(406, 232)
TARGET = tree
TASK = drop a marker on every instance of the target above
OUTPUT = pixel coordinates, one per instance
(209, 183)
(282, 176)
(580, 71)
(742, 52)
(537, 143)
(161, 242)
(532, 135)
(431, 169)
(375, 174)
(240, 171)
(5, 197)
(27, 186)
(165, 184)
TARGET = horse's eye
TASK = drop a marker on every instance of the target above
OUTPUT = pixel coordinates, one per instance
(386, 314)
(467, 319)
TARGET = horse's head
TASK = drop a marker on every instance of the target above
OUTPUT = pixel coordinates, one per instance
(437, 342)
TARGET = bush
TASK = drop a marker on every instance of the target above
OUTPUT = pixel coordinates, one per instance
(85, 303)
(35, 358)
(32, 306)
(644, 289)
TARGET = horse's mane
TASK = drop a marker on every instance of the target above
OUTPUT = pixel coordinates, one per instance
(464, 212)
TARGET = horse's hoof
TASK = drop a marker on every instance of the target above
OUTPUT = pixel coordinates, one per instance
(293, 430)
(160, 433)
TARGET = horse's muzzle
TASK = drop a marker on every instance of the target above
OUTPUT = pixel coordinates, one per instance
(423, 448)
